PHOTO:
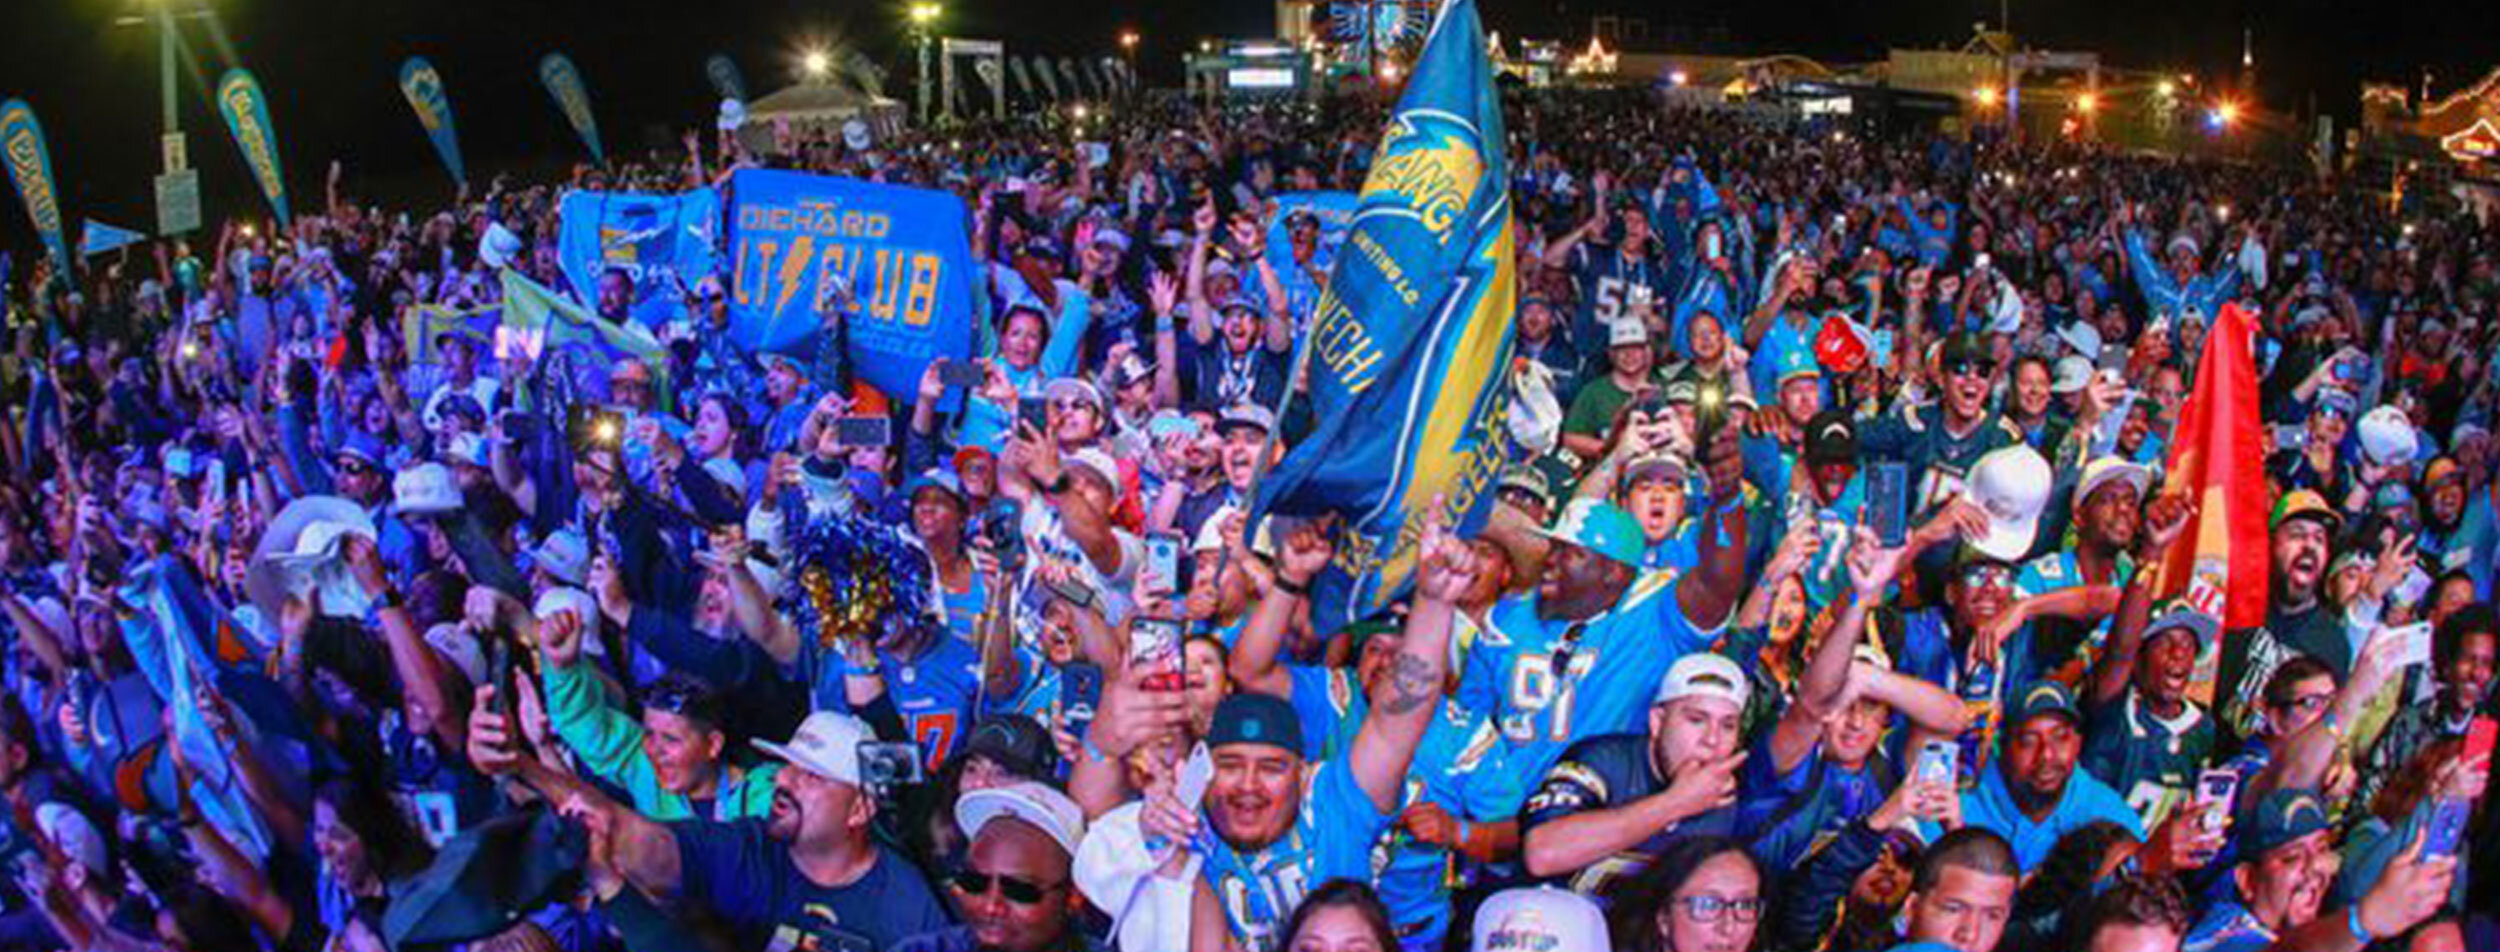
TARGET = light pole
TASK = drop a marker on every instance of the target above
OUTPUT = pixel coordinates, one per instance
(924, 16)
(1128, 54)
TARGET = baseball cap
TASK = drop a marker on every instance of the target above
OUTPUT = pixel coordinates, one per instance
(1526, 478)
(1665, 465)
(1600, 527)
(1093, 458)
(1704, 674)
(2178, 615)
(2387, 436)
(2283, 816)
(1033, 803)
(1249, 717)
(1627, 332)
(826, 744)
(1966, 348)
(2304, 504)
(1831, 438)
(1540, 918)
(2084, 338)
(2046, 697)
(938, 479)
(1073, 388)
(2337, 401)
(362, 447)
(2101, 471)
(1246, 414)
(1796, 364)
(2012, 485)
(563, 598)
(564, 555)
(1016, 742)
(425, 489)
(2072, 375)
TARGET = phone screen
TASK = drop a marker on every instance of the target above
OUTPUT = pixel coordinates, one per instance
(960, 374)
(1888, 502)
(863, 431)
(1155, 645)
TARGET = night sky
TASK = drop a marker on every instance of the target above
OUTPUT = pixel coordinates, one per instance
(330, 65)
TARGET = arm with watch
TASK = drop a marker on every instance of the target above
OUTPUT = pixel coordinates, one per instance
(421, 671)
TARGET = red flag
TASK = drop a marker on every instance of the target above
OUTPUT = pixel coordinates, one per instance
(2222, 561)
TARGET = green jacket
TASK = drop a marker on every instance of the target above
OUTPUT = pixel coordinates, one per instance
(609, 745)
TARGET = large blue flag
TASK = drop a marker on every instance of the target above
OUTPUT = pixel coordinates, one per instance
(564, 83)
(662, 243)
(423, 85)
(904, 254)
(246, 108)
(30, 166)
(1412, 335)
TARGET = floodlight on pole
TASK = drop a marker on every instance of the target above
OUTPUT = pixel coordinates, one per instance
(815, 64)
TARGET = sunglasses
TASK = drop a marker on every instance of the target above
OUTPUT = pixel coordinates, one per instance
(1710, 908)
(1022, 892)
(1971, 368)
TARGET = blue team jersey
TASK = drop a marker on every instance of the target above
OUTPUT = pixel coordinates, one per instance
(1331, 704)
(1455, 769)
(2085, 801)
(1610, 674)
(1612, 772)
(1331, 838)
(934, 693)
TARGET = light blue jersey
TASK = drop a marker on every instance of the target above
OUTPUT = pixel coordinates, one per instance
(1609, 671)
(1330, 839)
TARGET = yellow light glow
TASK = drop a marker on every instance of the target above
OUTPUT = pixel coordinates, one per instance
(1128, 39)
(2165, 87)
(1986, 95)
(2087, 103)
(2228, 112)
(815, 63)
(923, 14)
(1679, 77)
(1389, 72)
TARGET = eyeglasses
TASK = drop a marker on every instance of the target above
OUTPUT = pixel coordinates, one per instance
(1971, 368)
(1022, 892)
(1710, 908)
(2309, 702)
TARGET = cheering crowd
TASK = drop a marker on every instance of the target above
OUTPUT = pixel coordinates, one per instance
(1821, 608)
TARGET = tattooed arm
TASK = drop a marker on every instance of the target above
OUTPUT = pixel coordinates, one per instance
(1404, 707)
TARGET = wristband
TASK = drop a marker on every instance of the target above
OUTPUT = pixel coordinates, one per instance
(390, 598)
(1057, 487)
(1289, 588)
(2352, 924)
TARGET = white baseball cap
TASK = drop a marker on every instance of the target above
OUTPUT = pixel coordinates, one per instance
(2387, 436)
(425, 489)
(2084, 338)
(564, 598)
(2107, 468)
(1047, 809)
(1627, 332)
(1704, 674)
(2012, 485)
(827, 745)
(1541, 918)
(2073, 374)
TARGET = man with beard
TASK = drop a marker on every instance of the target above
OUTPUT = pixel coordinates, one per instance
(2035, 795)
(2298, 621)
(1282, 824)
(1942, 441)
(1581, 655)
(1014, 891)
(2278, 893)
(2107, 510)
(1612, 804)
(809, 875)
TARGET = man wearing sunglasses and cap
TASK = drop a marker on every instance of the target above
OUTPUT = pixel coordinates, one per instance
(1941, 442)
(1015, 891)
(809, 875)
